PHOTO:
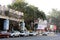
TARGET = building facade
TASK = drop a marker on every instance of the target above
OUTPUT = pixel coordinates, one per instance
(9, 18)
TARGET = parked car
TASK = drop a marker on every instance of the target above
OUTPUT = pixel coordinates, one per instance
(14, 33)
(47, 33)
(24, 33)
(32, 33)
(4, 34)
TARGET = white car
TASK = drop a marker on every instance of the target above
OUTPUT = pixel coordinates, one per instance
(47, 33)
(33, 33)
(15, 33)
(24, 33)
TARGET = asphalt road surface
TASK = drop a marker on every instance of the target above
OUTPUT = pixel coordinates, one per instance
(34, 38)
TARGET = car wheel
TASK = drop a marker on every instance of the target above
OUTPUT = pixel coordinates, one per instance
(18, 35)
(44, 34)
(30, 35)
(21, 35)
(13, 36)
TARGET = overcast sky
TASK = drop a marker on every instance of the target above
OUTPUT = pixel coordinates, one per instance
(5, 2)
(44, 5)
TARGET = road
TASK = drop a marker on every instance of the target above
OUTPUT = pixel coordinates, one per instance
(34, 38)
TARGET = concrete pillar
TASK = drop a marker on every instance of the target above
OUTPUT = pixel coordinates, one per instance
(23, 26)
(6, 25)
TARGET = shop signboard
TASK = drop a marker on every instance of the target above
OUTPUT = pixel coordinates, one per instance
(55, 27)
(41, 27)
(42, 24)
(52, 27)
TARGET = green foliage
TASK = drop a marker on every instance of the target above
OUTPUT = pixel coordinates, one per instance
(30, 12)
(19, 0)
(55, 13)
(55, 16)
(18, 6)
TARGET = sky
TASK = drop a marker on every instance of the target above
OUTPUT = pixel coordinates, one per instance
(44, 5)
(5, 2)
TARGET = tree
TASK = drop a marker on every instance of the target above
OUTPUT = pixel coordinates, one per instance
(55, 15)
(19, 0)
(19, 6)
(30, 12)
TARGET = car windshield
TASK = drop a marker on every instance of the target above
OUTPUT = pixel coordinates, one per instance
(22, 31)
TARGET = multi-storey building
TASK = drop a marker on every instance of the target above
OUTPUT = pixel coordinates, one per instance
(9, 18)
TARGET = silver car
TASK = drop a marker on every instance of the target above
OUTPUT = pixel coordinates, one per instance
(48, 33)
(24, 33)
(32, 33)
(14, 33)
